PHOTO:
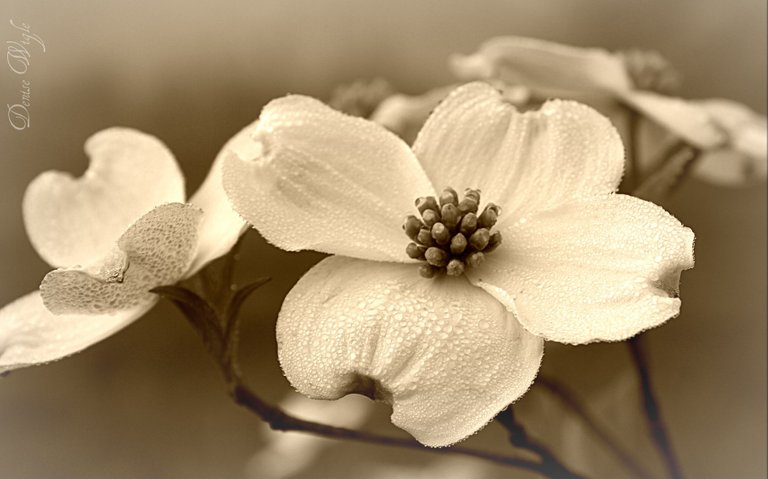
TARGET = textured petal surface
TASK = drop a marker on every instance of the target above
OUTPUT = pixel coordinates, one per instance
(548, 69)
(404, 115)
(446, 355)
(685, 119)
(154, 251)
(599, 269)
(30, 334)
(75, 221)
(523, 162)
(221, 226)
(326, 181)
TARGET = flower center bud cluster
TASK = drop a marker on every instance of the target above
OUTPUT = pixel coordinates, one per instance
(451, 235)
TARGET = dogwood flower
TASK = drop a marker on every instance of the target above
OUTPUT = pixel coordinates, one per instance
(447, 324)
(732, 136)
(114, 233)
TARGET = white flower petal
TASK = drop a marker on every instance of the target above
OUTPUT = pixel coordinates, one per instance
(74, 221)
(404, 115)
(221, 226)
(524, 162)
(683, 118)
(326, 181)
(549, 69)
(156, 250)
(30, 334)
(446, 355)
(599, 269)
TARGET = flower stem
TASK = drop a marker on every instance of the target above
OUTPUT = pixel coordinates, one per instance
(569, 400)
(278, 420)
(218, 324)
(653, 417)
(519, 438)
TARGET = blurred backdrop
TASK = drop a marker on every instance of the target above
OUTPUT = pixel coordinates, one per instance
(148, 402)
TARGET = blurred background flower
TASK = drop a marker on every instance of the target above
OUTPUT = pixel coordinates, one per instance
(149, 403)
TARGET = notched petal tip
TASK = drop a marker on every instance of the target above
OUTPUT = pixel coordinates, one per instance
(155, 250)
(547, 68)
(524, 161)
(445, 355)
(326, 181)
(600, 269)
(77, 220)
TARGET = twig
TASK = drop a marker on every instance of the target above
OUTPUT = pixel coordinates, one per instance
(278, 420)
(568, 399)
(218, 327)
(653, 418)
(552, 467)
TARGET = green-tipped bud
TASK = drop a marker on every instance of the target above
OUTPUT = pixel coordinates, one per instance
(449, 197)
(493, 242)
(440, 234)
(424, 237)
(479, 239)
(436, 257)
(427, 271)
(468, 224)
(430, 217)
(489, 216)
(458, 244)
(412, 226)
(455, 267)
(450, 216)
(415, 251)
(425, 203)
(475, 259)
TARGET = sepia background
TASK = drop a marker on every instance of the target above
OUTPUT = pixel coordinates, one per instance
(147, 402)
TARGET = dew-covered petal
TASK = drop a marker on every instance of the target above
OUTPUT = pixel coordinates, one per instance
(221, 226)
(30, 334)
(404, 115)
(156, 250)
(683, 118)
(598, 269)
(447, 356)
(75, 221)
(549, 69)
(524, 162)
(743, 159)
(326, 181)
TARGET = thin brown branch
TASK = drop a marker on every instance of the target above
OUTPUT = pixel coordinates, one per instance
(652, 411)
(519, 438)
(278, 420)
(569, 400)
